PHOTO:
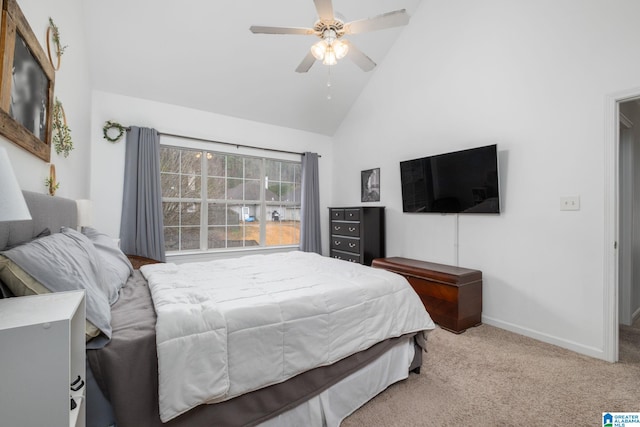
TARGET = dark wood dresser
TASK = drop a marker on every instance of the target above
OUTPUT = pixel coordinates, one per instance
(451, 295)
(357, 233)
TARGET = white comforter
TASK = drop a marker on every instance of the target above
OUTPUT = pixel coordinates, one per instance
(229, 327)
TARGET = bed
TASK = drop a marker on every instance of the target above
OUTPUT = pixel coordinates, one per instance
(126, 384)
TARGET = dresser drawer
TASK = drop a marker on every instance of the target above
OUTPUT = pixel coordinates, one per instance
(352, 214)
(345, 228)
(345, 244)
(337, 214)
(345, 256)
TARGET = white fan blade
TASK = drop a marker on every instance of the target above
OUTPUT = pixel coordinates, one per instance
(359, 58)
(257, 29)
(306, 63)
(325, 9)
(397, 18)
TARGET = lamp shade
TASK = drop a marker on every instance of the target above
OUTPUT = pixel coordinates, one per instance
(85, 213)
(318, 50)
(12, 204)
(340, 48)
(330, 57)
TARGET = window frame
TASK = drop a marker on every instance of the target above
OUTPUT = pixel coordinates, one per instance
(204, 201)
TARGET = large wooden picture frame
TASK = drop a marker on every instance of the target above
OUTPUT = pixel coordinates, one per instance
(26, 84)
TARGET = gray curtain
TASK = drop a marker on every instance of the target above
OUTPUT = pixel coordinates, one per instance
(310, 238)
(141, 228)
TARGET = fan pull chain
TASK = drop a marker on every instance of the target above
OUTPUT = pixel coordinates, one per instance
(329, 85)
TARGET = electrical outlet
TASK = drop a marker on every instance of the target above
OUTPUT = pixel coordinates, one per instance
(570, 203)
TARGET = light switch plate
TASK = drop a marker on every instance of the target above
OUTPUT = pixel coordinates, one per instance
(570, 203)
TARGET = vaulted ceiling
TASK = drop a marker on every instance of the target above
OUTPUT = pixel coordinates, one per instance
(201, 54)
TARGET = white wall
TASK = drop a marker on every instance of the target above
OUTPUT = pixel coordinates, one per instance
(72, 88)
(107, 162)
(533, 78)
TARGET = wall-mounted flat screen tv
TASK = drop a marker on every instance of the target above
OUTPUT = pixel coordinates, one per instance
(460, 182)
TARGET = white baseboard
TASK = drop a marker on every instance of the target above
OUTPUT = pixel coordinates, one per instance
(635, 316)
(595, 352)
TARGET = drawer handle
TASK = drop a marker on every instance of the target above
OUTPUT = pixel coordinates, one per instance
(352, 229)
(337, 242)
(352, 245)
(336, 227)
(337, 257)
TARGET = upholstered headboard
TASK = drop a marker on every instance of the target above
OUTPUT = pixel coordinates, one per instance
(46, 212)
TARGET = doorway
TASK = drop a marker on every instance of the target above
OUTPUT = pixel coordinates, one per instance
(629, 228)
(622, 219)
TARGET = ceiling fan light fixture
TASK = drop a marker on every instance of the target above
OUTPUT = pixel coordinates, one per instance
(319, 49)
(329, 36)
(340, 48)
(331, 28)
(330, 57)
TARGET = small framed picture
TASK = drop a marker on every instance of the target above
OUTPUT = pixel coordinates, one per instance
(26, 85)
(370, 185)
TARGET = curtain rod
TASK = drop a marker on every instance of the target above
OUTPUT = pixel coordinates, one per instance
(193, 138)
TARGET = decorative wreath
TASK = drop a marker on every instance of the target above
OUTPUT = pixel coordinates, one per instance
(53, 33)
(61, 133)
(113, 125)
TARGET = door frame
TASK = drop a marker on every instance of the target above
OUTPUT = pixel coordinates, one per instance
(612, 219)
(626, 224)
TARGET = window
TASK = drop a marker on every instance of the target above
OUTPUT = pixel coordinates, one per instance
(219, 201)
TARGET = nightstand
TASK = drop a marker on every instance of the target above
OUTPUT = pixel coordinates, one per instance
(139, 261)
(42, 352)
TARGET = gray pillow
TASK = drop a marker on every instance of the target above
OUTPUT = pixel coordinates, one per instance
(116, 265)
(67, 261)
(19, 283)
(111, 292)
(43, 233)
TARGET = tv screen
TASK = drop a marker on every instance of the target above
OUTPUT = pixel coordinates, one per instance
(460, 182)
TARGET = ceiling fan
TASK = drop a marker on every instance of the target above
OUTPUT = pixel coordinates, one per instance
(331, 30)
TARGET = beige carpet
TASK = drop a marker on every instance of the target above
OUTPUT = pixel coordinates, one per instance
(491, 377)
(630, 343)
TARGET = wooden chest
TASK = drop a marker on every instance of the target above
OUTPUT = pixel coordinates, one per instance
(451, 295)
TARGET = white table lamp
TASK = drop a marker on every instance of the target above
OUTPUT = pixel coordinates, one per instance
(12, 204)
(85, 213)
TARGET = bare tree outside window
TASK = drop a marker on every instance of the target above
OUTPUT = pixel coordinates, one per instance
(217, 201)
